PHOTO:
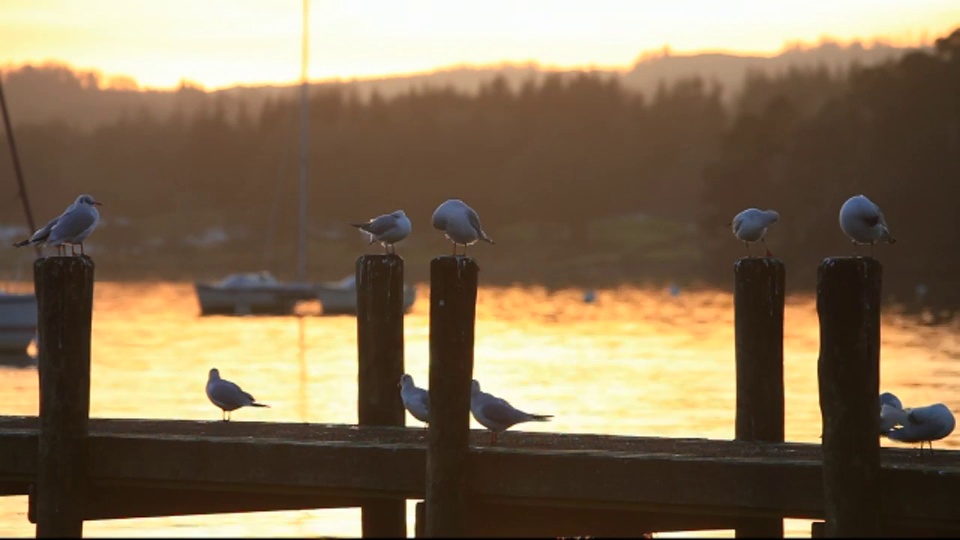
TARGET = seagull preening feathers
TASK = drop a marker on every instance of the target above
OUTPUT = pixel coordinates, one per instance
(863, 222)
(72, 227)
(227, 395)
(460, 224)
(914, 424)
(751, 225)
(388, 229)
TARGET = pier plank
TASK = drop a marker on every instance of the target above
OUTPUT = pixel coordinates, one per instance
(695, 477)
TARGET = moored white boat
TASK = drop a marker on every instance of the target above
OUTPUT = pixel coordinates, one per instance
(340, 297)
(18, 321)
(251, 293)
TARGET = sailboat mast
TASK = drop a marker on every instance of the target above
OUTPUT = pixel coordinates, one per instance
(304, 139)
(16, 163)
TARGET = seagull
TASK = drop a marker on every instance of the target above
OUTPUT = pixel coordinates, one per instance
(496, 414)
(227, 395)
(460, 224)
(924, 424)
(416, 400)
(751, 225)
(72, 227)
(388, 229)
(863, 222)
(891, 412)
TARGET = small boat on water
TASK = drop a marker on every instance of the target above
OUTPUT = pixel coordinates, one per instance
(18, 321)
(340, 297)
(251, 293)
(260, 293)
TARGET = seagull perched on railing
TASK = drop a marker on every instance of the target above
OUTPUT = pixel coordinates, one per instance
(751, 225)
(72, 227)
(388, 229)
(924, 425)
(227, 395)
(416, 400)
(863, 222)
(460, 224)
(496, 414)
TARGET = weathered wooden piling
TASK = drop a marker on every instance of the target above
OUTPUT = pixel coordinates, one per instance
(453, 303)
(758, 299)
(380, 361)
(848, 371)
(64, 288)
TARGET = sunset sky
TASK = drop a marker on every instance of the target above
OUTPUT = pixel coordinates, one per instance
(219, 43)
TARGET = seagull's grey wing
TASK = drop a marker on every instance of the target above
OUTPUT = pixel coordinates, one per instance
(43, 233)
(933, 414)
(499, 411)
(440, 218)
(380, 224)
(74, 224)
(229, 394)
(737, 223)
(423, 397)
(474, 220)
(915, 432)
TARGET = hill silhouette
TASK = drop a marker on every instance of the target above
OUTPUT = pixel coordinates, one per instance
(84, 99)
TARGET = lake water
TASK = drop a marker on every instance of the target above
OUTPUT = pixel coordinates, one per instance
(634, 362)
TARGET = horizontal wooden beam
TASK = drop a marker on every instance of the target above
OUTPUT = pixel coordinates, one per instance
(118, 502)
(697, 477)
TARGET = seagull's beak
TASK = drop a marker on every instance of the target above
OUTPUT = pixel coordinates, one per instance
(95, 203)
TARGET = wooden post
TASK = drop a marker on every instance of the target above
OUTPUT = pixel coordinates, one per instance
(453, 304)
(380, 355)
(758, 325)
(64, 288)
(848, 370)
(421, 516)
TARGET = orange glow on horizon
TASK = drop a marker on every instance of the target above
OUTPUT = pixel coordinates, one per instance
(223, 43)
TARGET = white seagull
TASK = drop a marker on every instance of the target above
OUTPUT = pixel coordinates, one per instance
(416, 400)
(863, 222)
(72, 227)
(924, 424)
(227, 395)
(751, 225)
(388, 229)
(496, 414)
(460, 224)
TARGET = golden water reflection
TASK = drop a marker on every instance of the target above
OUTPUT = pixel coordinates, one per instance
(634, 362)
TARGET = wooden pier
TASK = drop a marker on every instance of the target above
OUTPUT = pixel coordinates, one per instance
(539, 484)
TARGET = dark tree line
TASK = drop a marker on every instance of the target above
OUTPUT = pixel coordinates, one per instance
(566, 149)
(891, 133)
(563, 149)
